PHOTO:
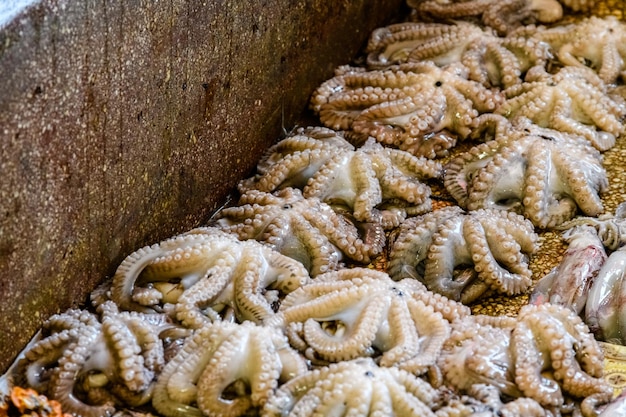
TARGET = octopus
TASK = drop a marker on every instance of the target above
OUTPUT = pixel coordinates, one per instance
(305, 229)
(491, 60)
(594, 42)
(356, 387)
(573, 100)
(227, 370)
(360, 312)
(501, 15)
(604, 309)
(544, 354)
(543, 174)
(375, 184)
(205, 275)
(569, 283)
(90, 363)
(464, 256)
(611, 228)
(440, 43)
(416, 107)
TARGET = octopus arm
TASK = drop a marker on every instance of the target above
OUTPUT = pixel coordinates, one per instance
(411, 246)
(417, 41)
(411, 165)
(612, 63)
(365, 388)
(450, 310)
(239, 360)
(149, 341)
(185, 257)
(125, 346)
(585, 179)
(64, 379)
(345, 235)
(541, 202)
(310, 247)
(416, 404)
(294, 170)
(496, 181)
(540, 106)
(368, 188)
(392, 338)
(254, 276)
(355, 340)
(530, 361)
(31, 369)
(461, 170)
(334, 183)
(570, 351)
(460, 111)
(312, 140)
(447, 251)
(396, 185)
(492, 245)
(176, 389)
(191, 308)
(433, 330)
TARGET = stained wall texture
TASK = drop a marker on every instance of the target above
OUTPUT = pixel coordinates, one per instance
(125, 122)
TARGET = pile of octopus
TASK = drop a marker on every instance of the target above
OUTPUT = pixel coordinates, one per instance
(346, 278)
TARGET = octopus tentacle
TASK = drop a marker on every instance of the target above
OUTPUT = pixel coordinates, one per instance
(491, 246)
(411, 244)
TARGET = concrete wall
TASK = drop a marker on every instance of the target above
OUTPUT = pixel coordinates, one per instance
(125, 122)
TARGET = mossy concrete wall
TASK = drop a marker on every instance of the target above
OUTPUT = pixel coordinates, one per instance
(125, 122)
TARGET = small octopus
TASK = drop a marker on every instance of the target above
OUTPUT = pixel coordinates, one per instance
(376, 184)
(92, 363)
(416, 107)
(440, 43)
(595, 42)
(543, 174)
(573, 100)
(354, 388)
(543, 354)
(611, 228)
(200, 274)
(226, 369)
(491, 60)
(501, 15)
(305, 229)
(361, 312)
(464, 256)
